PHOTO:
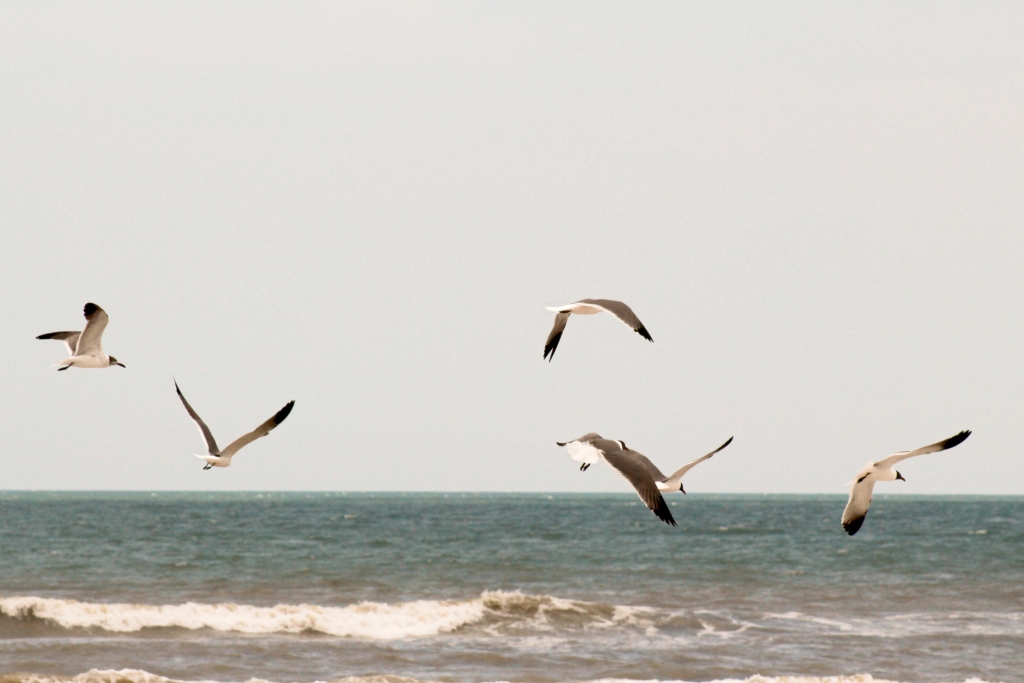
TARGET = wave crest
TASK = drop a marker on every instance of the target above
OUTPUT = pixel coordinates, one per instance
(362, 620)
(140, 676)
(375, 620)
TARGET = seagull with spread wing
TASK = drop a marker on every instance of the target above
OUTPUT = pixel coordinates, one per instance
(222, 458)
(85, 347)
(883, 470)
(636, 468)
(591, 307)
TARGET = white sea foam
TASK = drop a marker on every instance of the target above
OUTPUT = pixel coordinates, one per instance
(494, 613)
(139, 676)
(421, 618)
(917, 624)
(363, 620)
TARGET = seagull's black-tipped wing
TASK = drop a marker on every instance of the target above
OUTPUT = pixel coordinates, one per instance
(211, 443)
(931, 448)
(693, 463)
(623, 313)
(91, 341)
(555, 335)
(637, 474)
(262, 430)
(858, 504)
(852, 526)
(70, 339)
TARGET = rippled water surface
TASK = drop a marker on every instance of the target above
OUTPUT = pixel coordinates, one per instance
(481, 587)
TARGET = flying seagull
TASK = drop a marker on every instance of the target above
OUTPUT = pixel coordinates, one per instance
(860, 491)
(222, 458)
(85, 347)
(638, 470)
(590, 307)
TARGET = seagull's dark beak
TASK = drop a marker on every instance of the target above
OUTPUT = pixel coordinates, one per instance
(561, 443)
(899, 477)
(121, 364)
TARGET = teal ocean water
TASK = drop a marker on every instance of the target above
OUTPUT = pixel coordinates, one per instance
(296, 587)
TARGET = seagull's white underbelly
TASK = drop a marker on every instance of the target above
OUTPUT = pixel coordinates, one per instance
(582, 452)
(214, 460)
(89, 361)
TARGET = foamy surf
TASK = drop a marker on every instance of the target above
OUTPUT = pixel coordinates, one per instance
(139, 676)
(363, 620)
(373, 620)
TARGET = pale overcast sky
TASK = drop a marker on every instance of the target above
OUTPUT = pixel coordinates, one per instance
(815, 208)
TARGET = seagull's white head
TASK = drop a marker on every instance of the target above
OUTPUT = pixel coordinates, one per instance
(899, 476)
(113, 361)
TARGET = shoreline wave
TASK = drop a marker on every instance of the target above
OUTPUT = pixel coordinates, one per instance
(141, 676)
(372, 620)
(492, 614)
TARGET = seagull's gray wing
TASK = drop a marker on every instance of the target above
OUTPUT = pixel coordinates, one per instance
(70, 339)
(555, 335)
(622, 312)
(262, 430)
(678, 474)
(586, 438)
(857, 506)
(637, 474)
(648, 465)
(935, 447)
(90, 343)
(211, 444)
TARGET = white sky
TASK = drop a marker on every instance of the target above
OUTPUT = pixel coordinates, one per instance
(815, 208)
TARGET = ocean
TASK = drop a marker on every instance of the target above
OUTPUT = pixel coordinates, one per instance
(302, 587)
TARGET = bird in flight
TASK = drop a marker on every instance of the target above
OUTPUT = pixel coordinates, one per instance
(636, 468)
(222, 458)
(883, 470)
(591, 307)
(85, 347)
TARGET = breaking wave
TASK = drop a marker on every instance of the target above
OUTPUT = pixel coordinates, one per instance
(493, 613)
(374, 620)
(139, 676)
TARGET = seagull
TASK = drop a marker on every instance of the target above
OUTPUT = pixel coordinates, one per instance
(85, 347)
(638, 470)
(860, 490)
(222, 458)
(590, 307)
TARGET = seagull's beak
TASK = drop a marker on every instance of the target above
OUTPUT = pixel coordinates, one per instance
(899, 477)
(117, 363)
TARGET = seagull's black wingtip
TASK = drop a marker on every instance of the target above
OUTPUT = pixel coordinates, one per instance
(956, 440)
(645, 334)
(550, 347)
(90, 308)
(853, 526)
(283, 413)
(663, 513)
